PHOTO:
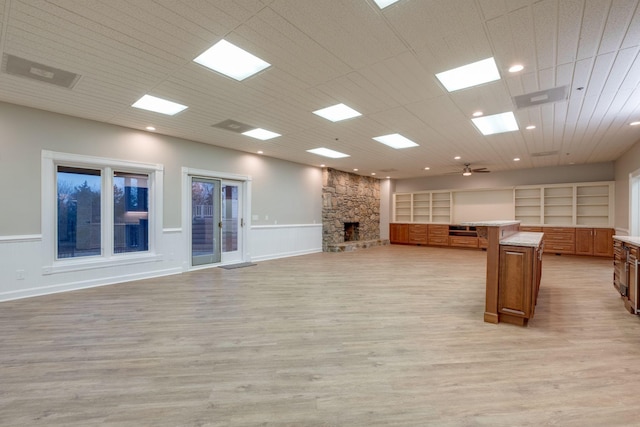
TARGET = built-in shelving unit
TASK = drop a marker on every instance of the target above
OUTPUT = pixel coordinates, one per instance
(402, 207)
(583, 204)
(423, 207)
(528, 205)
(580, 204)
(441, 207)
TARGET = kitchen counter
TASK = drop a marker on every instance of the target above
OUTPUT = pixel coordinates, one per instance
(496, 223)
(634, 240)
(523, 238)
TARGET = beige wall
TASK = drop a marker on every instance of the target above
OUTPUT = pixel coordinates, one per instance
(24, 132)
(627, 163)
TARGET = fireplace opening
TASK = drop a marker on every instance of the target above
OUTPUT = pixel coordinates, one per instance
(351, 231)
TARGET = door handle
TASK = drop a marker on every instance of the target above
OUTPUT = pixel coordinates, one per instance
(241, 222)
(220, 224)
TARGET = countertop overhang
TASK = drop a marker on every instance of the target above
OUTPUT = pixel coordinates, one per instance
(523, 238)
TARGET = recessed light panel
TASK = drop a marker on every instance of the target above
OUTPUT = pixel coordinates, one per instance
(262, 134)
(230, 60)
(497, 123)
(384, 3)
(469, 75)
(326, 152)
(337, 113)
(395, 140)
(158, 105)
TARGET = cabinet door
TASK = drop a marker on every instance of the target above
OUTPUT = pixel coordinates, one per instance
(516, 281)
(603, 242)
(399, 233)
(418, 234)
(584, 241)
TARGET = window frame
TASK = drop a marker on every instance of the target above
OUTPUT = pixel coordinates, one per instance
(108, 258)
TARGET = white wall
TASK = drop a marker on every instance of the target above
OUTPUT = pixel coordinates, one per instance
(550, 175)
(627, 163)
(288, 194)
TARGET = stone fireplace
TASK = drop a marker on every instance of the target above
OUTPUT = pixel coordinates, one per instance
(350, 211)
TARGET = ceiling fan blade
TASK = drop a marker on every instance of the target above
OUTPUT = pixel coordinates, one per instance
(480, 170)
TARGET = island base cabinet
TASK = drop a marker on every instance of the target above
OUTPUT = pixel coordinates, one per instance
(519, 283)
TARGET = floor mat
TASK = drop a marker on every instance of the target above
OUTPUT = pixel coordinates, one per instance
(240, 265)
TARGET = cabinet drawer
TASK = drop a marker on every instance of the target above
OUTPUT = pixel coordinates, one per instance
(439, 240)
(483, 243)
(463, 241)
(531, 229)
(559, 247)
(438, 230)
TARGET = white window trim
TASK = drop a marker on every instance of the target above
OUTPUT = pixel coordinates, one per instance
(50, 161)
(246, 180)
(634, 203)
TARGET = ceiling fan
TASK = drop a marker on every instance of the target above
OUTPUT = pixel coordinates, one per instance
(468, 171)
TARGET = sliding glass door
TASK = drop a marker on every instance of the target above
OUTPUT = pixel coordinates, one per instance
(232, 222)
(205, 221)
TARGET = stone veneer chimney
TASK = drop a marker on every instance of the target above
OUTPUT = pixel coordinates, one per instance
(348, 197)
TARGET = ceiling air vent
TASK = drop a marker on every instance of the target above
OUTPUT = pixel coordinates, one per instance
(32, 70)
(233, 126)
(548, 96)
(544, 153)
(389, 170)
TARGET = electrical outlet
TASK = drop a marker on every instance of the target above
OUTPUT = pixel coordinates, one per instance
(20, 274)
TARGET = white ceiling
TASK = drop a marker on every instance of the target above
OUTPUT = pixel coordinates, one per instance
(380, 62)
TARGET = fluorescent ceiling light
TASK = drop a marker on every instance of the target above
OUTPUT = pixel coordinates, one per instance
(230, 60)
(337, 112)
(497, 123)
(384, 3)
(262, 134)
(395, 140)
(328, 153)
(469, 75)
(158, 105)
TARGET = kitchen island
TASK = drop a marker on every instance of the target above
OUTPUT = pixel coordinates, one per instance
(514, 268)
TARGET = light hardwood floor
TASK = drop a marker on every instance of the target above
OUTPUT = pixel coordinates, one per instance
(387, 336)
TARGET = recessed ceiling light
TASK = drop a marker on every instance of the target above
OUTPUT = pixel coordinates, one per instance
(530, 127)
(457, 158)
(151, 128)
(478, 114)
(395, 140)
(634, 123)
(384, 3)
(328, 153)
(261, 134)
(260, 152)
(427, 168)
(337, 113)
(469, 75)
(355, 170)
(497, 123)
(517, 159)
(322, 165)
(388, 177)
(230, 60)
(373, 173)
(158, 105)
(515, 68)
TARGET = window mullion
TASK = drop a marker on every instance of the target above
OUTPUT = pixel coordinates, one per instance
(107, 213)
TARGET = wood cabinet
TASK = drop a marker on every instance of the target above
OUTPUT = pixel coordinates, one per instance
(560, 240)
(463, 236)
(438, 235)
(625, 271)
(594, 241)
(399, 233)
(418, 234)
(519, 283)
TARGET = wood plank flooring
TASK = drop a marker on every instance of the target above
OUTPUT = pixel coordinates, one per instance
(387, 336)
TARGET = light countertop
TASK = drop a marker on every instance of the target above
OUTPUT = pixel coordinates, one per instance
(496, 223)
(523, 238)
(634, 240)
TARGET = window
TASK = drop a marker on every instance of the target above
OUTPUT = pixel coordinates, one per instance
(78, 211)
(98, 212)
